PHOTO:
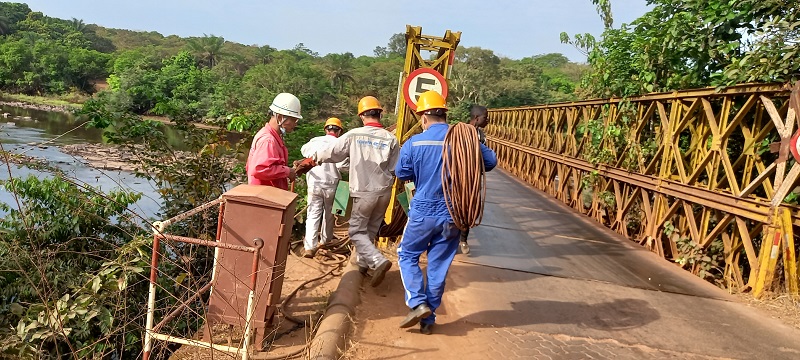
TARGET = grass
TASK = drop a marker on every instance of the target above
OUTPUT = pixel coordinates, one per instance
(69, 100)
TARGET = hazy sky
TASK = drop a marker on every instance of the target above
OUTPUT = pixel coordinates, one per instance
(513, 28)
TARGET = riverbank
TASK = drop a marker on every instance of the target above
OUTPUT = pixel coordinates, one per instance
(53, 104)
(106, 157)
(113, 157)
(65, 103)
(65, 109)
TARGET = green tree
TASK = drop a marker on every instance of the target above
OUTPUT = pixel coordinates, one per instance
(396, 46)
(13, 13)
(264, 54)
(340, 69)
(687, 44)
(63, 235)
(773, 53)
(208, 48)
(377, 77)
(5, 25)
(604, 10)
(78, 25)
(474, 72)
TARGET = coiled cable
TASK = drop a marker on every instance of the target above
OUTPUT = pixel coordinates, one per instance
(463, 176)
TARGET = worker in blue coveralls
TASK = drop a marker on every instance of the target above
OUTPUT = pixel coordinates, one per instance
(430, 227)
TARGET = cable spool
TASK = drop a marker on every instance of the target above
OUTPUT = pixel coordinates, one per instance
(463, 176)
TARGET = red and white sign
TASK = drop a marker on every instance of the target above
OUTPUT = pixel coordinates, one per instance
(420, 81)
(793, 146)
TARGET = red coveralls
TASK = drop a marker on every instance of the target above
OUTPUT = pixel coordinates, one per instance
(268, 159)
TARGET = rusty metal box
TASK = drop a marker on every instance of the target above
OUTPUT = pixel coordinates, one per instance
(251, 211)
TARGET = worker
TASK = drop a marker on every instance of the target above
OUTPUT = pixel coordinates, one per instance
(430, 226)
(322, 182)
(373, 153)
(479, 118)
(267, 163)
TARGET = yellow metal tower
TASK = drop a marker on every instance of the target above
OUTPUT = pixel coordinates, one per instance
(422, 51)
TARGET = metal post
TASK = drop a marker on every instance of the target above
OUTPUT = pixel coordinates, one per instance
(399, 91)
(216, 248)
(151, 299)
(248, 324)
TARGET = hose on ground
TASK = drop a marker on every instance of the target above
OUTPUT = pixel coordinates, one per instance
(463, 176)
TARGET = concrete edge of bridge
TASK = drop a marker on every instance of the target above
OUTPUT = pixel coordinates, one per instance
(330, 339)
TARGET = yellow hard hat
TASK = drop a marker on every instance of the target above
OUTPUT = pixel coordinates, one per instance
(335, 122)
(368, 103)
(430, 100)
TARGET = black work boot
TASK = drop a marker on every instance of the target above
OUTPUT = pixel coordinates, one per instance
(425, 329)
(380, 273)
(415, 315)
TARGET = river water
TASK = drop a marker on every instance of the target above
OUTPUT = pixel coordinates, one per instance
(25, 128)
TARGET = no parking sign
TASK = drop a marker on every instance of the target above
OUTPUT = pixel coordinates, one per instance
(420, 81)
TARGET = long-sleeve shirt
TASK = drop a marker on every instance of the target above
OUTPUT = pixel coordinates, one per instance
(373, 153)
(421, 162)
(268, 159)
(325, 175)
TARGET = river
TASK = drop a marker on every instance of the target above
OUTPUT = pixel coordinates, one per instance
(26, 127)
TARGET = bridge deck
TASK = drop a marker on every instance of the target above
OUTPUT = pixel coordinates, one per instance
(545, 282)
(526, 230)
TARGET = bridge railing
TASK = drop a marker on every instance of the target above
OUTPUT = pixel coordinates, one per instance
(698, 176)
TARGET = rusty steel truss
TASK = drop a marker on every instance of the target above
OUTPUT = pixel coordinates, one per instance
(698, 176)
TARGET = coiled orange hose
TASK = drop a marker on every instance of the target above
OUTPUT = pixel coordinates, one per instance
(463, 176)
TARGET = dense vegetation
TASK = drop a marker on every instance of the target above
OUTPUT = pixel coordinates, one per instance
(71, 265)
(149, 73)
(683, 44)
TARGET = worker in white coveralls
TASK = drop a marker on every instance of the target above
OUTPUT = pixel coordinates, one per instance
(430, 228)
(322, 183)
(373, 153)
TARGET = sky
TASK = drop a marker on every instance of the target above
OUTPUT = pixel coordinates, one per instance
(511, 28)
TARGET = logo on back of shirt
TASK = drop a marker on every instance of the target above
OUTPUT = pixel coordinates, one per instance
(373, 144)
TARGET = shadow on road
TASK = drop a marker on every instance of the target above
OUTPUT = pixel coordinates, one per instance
(621, 314)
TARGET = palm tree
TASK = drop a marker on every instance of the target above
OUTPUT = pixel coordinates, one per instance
(5, 25)
(78, 25)
(264, 54)
(340, 69)
(208, 48)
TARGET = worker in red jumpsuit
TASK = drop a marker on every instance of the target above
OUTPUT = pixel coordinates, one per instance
(267, 163)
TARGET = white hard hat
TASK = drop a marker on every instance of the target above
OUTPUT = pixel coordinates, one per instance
(286, 104)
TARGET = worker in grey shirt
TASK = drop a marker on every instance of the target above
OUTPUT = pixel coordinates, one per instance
(373, 153)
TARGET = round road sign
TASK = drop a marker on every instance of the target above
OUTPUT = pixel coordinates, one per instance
(420, 81)
(793, 146)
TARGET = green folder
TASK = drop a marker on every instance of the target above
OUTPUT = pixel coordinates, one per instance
(342, 198)
(405, 197)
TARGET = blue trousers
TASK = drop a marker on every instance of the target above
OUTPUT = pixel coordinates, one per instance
(439, 237)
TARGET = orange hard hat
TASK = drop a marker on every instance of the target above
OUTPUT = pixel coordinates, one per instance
(368, 103)
(430, 100)
(335, 122)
